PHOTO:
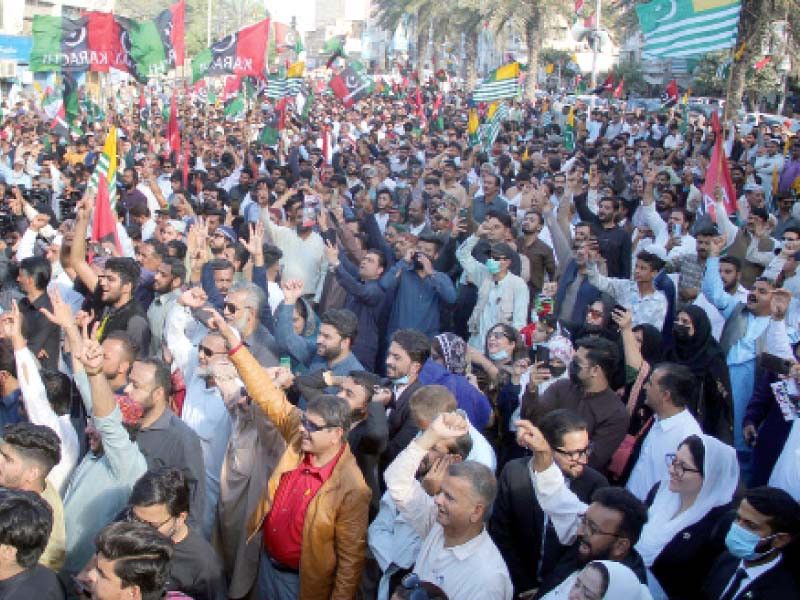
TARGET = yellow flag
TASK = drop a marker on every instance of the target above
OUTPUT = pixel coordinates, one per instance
(507, 71)
(549, 68)
(738, 55)
(526, 155)
(571, 117)
(110, 151)
(491, 110)
(296, 69)
(472, 122)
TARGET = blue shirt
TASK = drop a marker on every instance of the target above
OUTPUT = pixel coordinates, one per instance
(10, 409)
(417, 299)
(480, 207)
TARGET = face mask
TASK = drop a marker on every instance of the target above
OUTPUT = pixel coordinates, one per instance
(574, 373)
(742, 543)
(457, 160)
(401, 185)
(400, 380)
(557, 371)
(592, 329)
(493, 266)
(681, 332)
(502, 355)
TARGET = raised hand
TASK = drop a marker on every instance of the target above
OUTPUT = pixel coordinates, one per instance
(11, 324)
(92, 356)
(779, 303)
(292, 290)
(432, 482)
(255, 245)
(331, 253)
(529, 436)
(217, 322)
(449, 426)
(623, 318)
(281, 377)
(39, 221)
(62, 313)
(193, 298)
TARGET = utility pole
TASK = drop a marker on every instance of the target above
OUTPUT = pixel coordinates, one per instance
(595, 42)
(208, 25)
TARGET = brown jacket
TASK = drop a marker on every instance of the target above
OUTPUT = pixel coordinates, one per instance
(335, 527)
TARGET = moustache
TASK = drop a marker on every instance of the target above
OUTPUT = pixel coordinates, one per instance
(751, 298)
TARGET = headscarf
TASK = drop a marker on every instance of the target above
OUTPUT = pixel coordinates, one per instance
(454, 352)
(623, 583)
(721, 476)
(651, 343)
(701, 349)
(561, 348)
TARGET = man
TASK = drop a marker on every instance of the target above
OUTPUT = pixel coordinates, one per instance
(750, 243)
(606, 529)
(149, 255)
(755, 564)
(42, 335)
(419, 290)
(131, 195)
(132, 559)
(25, 524)
(164, 439)
(524, 534)
(502, 296)
(28, 453)
(417, 219)
(407, 353)
(491, 198)
(574, 293)
(614, 241)
(244, 305)
(540, 256)
(169, 278)
(313, 545)
(365, 298)
(587, 392)
(648, 304)
(160, 499)
(457, 553)
(669, 390)
(791, 171)
(10, 394)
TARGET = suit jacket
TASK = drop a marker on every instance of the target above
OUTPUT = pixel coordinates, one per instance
(775, 583)
(517, 523)
(367, 441)
(402, 428)
(335, 525)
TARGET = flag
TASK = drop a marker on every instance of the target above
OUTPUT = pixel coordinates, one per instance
(351, 84)
(53, 107)
(717, 173)
(549, 69)
(105, 176)
(70, 96)
(173, 132)
(763, 63)
(670, 95)
(270, 133)
(62, 44)
(737, 56)
(569, 130)
(606, 86)
(307, 105)
(234, 108)
(334, 47)
(619, 88)
(287, 38)
(501, 83)
(144, 111)
(104, 222)
(296, 70)
(241, 53)
(157, 45)
(495, 122)
(679, 28)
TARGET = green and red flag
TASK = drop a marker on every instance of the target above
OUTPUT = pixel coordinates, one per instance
(287, 38)
(270, 133)
(62, 44)
(351, 84)
(334, 47)
(157, 45)
(241, 53)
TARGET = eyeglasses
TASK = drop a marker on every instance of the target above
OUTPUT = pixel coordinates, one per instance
(499, 257)
(131, 517)
(592, 529)
(312, 427)
(497, 334)
(208, 352)
(576, 454)
(412, 582)
(677, 466)
(595, 313)
(230, 307)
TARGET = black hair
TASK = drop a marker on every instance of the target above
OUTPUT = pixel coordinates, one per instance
(501, 216)
(220, 264)
(25, 524)
(783, 511)
(698, 451)
(732, 260)
(654, 262)
(126, 269)
(176, 266)
(163, 485)
(431, 238)
(179, 247)
(36, 443)
(707, 231)
(8, 362)
(368, 381)
(415, 343)
(58, 387)
(679, 381)
(600, 352)
(38, 268)
(130, 348)
(161, 376)
(792, 228)
(557, 423)
(605, 576)
(141, 556)
(334, 411)
(158, 248)
(343, 320)
(634, 512)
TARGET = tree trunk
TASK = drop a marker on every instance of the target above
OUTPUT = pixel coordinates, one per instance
(751, 32)
(471, 55)
(423, 35)
(532, 42)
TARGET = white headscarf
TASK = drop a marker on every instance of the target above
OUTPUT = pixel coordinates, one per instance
(720, 478)
(622, 584)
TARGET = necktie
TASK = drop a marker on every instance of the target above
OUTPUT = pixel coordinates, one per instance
(733, 588)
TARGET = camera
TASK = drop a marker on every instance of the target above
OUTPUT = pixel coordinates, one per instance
(66, 205)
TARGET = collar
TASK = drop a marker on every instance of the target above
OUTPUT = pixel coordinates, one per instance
(674, 421)
(755, 572)
(323, 472)
(9, 400)
(467, 549)
(163, 298)
(163, 422)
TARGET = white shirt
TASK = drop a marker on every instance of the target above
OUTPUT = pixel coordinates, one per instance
(714, 316)
(663, 438)
(34, 396)
(751, 573)
(474, 570)
(786, 472)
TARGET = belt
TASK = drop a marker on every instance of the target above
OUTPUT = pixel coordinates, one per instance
(278, 566)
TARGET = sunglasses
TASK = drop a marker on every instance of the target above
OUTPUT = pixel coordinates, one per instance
(230, 307)
(312, 427)
(208, 352)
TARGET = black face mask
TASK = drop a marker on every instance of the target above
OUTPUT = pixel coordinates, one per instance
(681, 332)
(574, 373)
(557, 371)
(590, 329)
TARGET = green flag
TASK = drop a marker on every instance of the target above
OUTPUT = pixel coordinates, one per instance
(307, 105)
(569, 130)
(234, 109)
(147, 48)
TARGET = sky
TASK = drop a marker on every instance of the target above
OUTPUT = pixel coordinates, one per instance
(283, 11)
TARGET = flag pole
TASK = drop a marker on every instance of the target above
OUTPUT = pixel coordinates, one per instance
(595, 43)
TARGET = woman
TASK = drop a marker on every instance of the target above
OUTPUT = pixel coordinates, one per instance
(695, 347)
(601, 580)
(677, 538)
(296, 330)
(447, 366)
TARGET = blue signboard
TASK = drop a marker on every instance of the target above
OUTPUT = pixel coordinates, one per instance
(15, 47)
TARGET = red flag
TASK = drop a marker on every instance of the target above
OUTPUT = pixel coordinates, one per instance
(618, 90)
(232, 83)
(185, 164)
(177, 34)
(104, 224)
(763, 63)
(280, 35)
(606, 86)
(102, 33)
(670, 96)
(173, 133)
(325, 146)
(718, 173)
(281, 108)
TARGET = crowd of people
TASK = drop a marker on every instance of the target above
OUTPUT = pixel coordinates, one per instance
(375, 361)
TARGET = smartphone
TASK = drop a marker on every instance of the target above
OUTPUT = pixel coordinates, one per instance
(542, 355)
(776, 364)
(676, 230)
(286, 362)
(463, 213)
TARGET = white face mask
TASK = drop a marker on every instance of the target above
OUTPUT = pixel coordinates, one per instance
(457, 161)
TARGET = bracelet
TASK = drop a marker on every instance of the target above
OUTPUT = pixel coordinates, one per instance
(235, 349)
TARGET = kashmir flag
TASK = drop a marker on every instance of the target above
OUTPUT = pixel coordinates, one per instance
(105, 173)
(62, 44)
(569, 130)
(679, 28)
(496, 115)
(287, 38)
(718, 174)
(473, 124)
(351, 84)
(104, 222)
(501, 83)
(241, 53)
(277, 86)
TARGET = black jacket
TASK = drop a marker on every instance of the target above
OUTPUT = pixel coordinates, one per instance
(517, 523)
(367, 441)
(402, 428)
(776, 583)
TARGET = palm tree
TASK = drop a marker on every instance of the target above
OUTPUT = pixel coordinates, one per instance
(392, 12)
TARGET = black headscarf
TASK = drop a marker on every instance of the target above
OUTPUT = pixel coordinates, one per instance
(651, 343)
(701, 349)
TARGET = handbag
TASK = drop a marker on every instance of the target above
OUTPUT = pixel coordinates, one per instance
(621, 456)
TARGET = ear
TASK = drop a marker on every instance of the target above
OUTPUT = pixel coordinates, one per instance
(622, 546)
(781, 540)
(8, 554)
(477, 513)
